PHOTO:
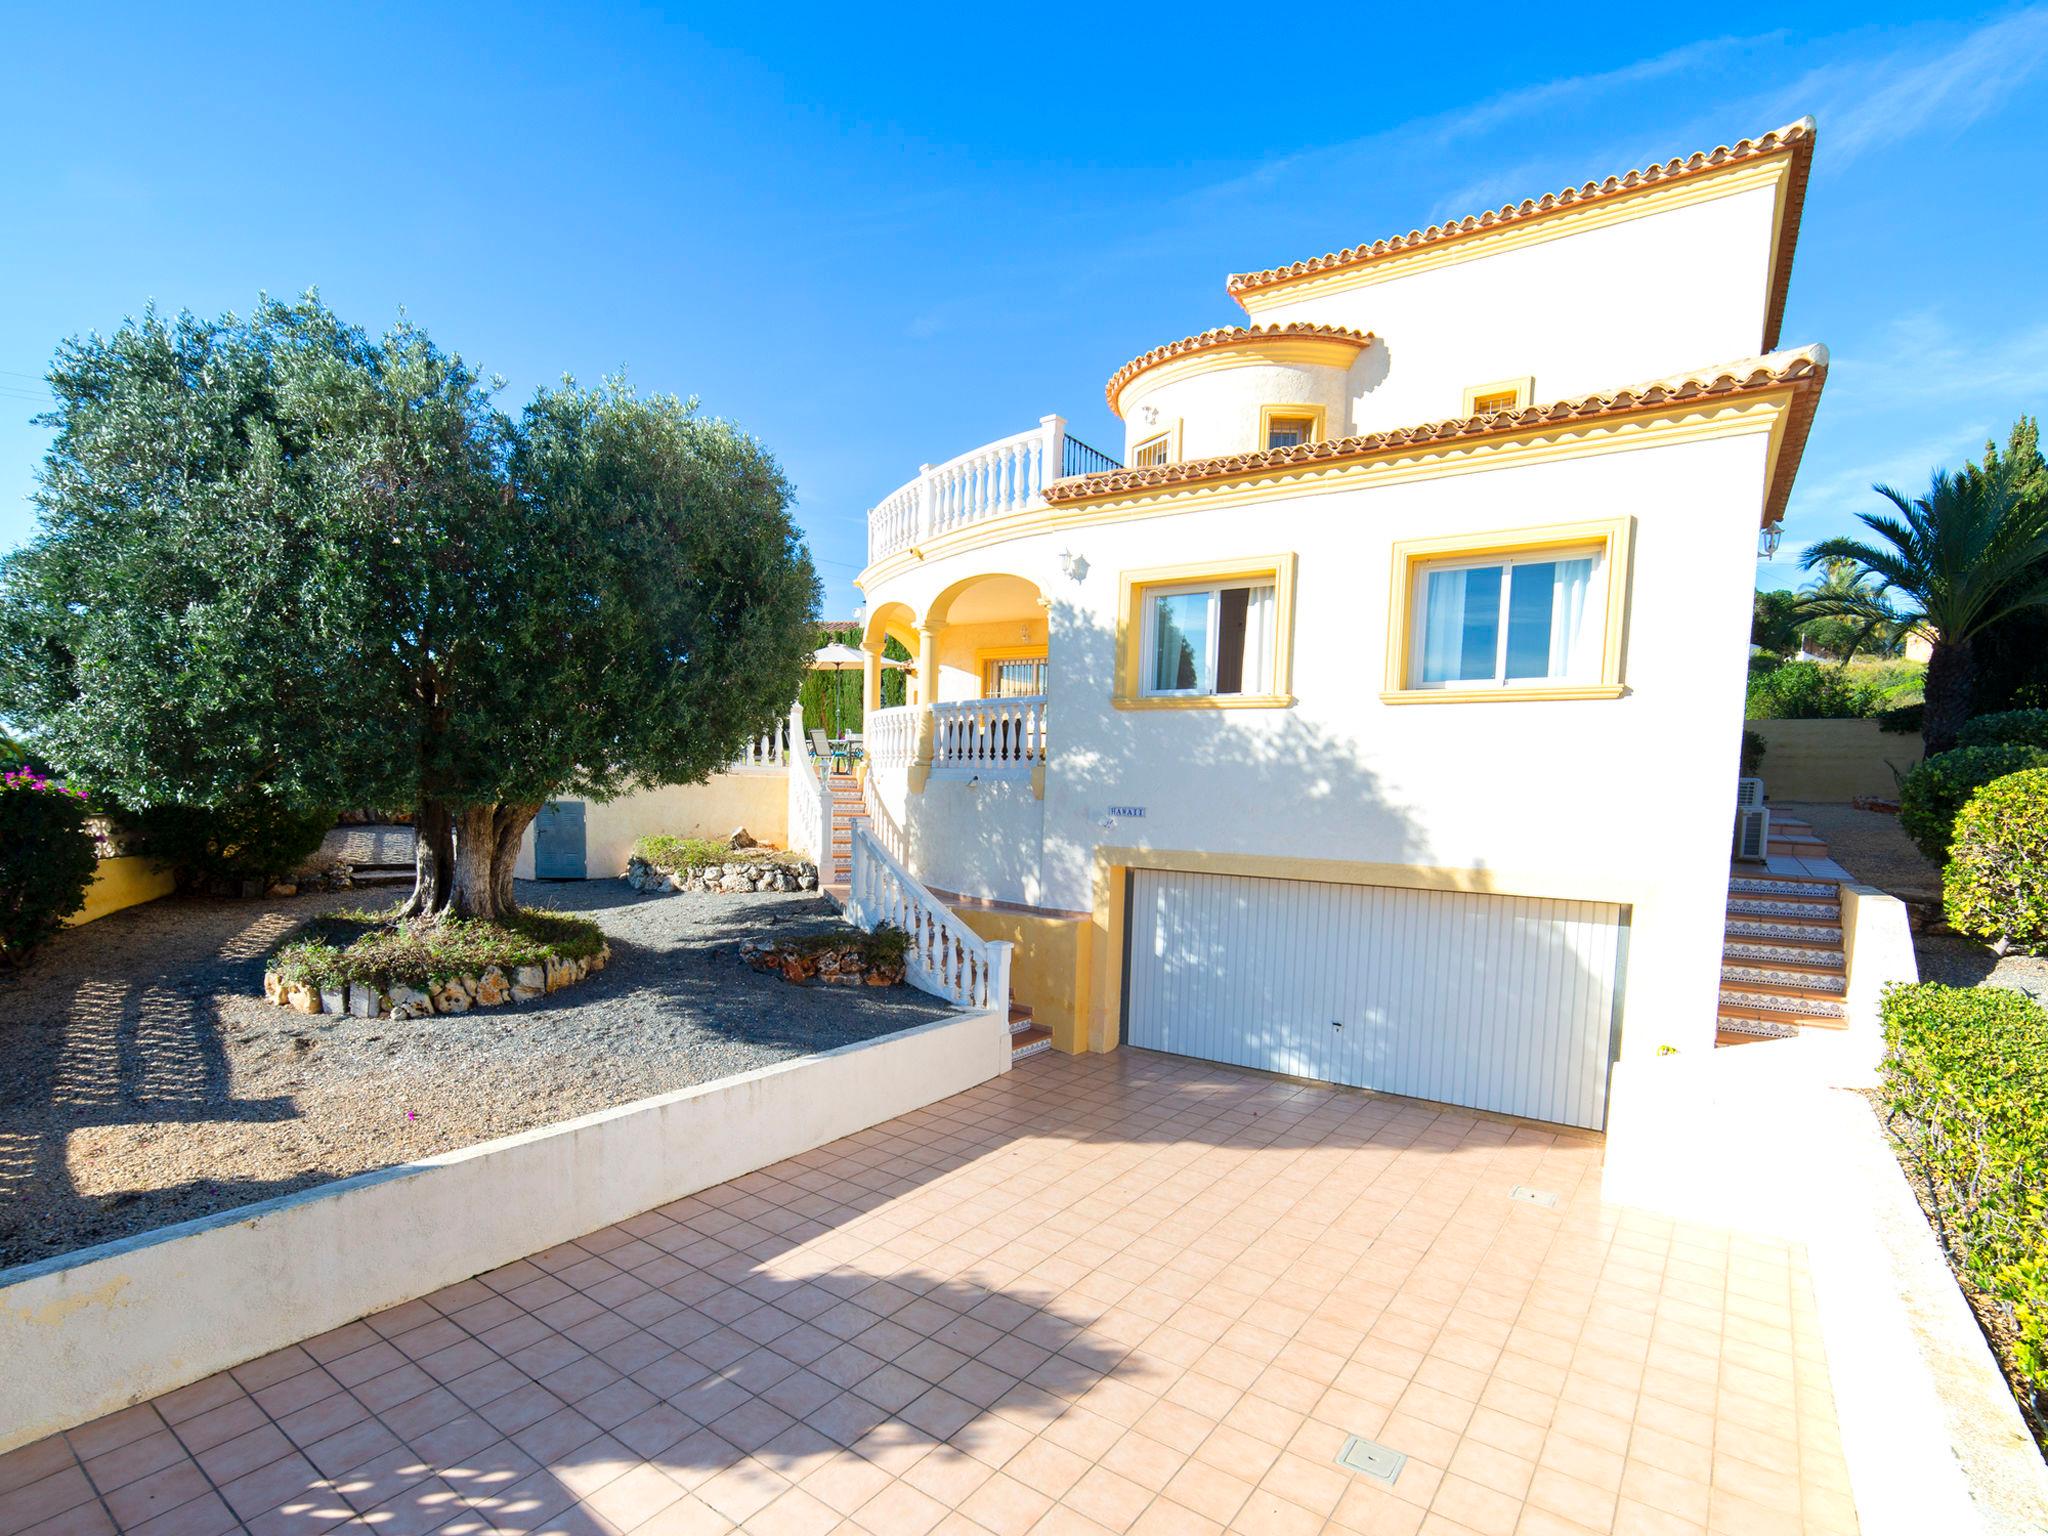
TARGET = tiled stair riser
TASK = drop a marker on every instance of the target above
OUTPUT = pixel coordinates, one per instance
(1760, 975)
(1814, 932)
(1771, 1002)
(1737, 952)
(1760, 1029)
(1753, 886)
(1748, 906)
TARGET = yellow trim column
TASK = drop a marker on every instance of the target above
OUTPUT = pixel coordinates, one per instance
(927, 695)
(871, 680)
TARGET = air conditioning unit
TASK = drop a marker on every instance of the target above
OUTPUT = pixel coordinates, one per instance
(1752, 833)
(1749, 792)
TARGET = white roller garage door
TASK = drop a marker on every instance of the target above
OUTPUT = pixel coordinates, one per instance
(1505, 1003)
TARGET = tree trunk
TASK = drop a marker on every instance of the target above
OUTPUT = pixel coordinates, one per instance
(1951, 670)
(463, 862)
(433, 859)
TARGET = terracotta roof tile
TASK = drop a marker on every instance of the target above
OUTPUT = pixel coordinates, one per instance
(1226, 336)
(1804, 368)
(1795, 139)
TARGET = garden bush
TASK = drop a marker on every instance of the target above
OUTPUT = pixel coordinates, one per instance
(1810, 690)
(1904, 720)
(1996, 884)
(1752, 753)
(257, 838)
(418, 952)
(1935, 788)
(1965, 1092)
(2026, 726)
(47, 860)
(674, 854)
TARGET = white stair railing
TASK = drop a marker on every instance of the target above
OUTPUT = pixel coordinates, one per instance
(946, 958)
(989, 736)
(810, 801)
(889, 736)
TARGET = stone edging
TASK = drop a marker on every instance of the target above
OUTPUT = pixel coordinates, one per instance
(729, 878)
(491, 988)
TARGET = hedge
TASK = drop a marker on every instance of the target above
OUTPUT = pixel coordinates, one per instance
(47, 860)
(1996, 883)
(1965, 1092)
(2029, 727)
(1935, 788)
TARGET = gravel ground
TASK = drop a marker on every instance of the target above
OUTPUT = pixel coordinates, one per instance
(143, 1079)
(1872, 847)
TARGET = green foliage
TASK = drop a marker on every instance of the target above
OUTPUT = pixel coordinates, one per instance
(1904, 720)
(1965, 1091)
(1774, 623)
(281, 559)
(675, 855)
(1971, 552)
(1752, 753)
(420, 952)
(1937, 787)
(249, 838)
(47, 860)
(833, 701)
(1763, 662)
(1814, 690)
(2028, 726)
(883, 945)
(1996, 884)
(2011, 653)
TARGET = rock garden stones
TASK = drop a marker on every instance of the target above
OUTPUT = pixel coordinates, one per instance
(744, 866)
(491, 988)
(851, 961)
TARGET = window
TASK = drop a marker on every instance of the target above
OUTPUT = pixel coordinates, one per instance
(1152, 452)
(1500, 395)
(1013, 677)
(1537, 613)
(1506, 621)
(1289, 426)
(1214, 636)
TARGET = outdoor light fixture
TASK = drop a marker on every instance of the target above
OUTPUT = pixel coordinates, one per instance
(1767, 542)
(1074, 565)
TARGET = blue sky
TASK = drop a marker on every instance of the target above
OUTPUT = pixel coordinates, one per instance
(878, 237)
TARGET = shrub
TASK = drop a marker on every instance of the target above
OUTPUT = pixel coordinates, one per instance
(1935, 788)
(1809, 690)
(1904, 720)
(1752, 753)
(1996, 883)
(2029, 727)
(421, 951)
(678, 854)
(258, 838)
(1965, 1091)
(47, 860)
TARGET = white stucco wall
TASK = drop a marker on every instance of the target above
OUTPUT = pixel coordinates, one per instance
(1680, 289)
(1217, 408)
(1628, 799)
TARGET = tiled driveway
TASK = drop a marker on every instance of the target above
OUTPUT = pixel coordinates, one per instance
(1116, 1293)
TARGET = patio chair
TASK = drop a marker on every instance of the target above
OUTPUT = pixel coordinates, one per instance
(825, 754)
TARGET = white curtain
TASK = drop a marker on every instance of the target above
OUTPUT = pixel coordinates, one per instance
(1258, 640)
(1570, 583)
(1443, 627)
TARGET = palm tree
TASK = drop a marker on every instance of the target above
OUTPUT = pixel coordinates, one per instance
(1970, 552)
(1844, 584)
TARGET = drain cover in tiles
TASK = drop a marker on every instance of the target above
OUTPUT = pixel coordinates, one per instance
(1528, 1196)
(1372, 1459)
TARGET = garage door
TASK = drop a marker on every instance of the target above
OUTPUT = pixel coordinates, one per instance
(1505, 1003)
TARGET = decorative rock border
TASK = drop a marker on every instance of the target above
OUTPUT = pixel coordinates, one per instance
(490, 988)
(729, 878)
(843, 964)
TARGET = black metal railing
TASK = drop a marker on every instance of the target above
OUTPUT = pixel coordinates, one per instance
(1080, 459)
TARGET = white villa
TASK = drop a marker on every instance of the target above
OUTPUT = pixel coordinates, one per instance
(1376, 720)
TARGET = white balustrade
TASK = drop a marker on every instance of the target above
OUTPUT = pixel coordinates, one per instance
(810, 801)
(769, 750)
(984, 482)
(889, 736)
(989, 736)
(946, 958)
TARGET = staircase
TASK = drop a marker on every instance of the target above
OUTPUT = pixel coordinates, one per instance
(1783, 966)
(837, 865)
(1026, 1037)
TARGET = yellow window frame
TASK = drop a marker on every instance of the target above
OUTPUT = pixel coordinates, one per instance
(1314, 415)
(1130, 631)
(1167, 439)
(1614, 537)
(1522, 390)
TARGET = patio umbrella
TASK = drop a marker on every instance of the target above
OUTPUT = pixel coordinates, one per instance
(844, 658)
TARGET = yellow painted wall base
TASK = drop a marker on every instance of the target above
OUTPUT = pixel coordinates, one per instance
(123, 882)
(1048, 966)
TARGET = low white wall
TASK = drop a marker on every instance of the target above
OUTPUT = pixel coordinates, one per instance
(83, 1335)
(754, 798)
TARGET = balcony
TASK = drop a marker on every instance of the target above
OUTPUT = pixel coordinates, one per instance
(1005, 476)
